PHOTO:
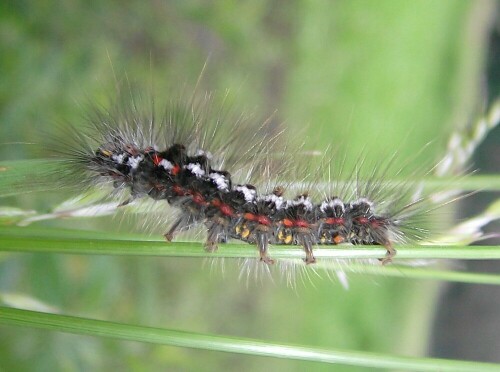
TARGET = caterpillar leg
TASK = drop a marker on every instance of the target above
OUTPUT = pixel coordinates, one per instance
(307, 244)
(210, 246)
(126, 202)
(216, 233)
(169, 235)
(262, 240)
(391, 252)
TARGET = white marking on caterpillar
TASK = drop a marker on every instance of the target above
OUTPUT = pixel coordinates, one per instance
(249, 194)
(118, 158)
(278, 201)
(168, 166)
(220, 180)
(207, 154)
(196, 169)
(332, 203)
(133, 162)
(301, 200)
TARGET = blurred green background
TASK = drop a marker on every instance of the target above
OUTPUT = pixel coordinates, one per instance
(360, 74)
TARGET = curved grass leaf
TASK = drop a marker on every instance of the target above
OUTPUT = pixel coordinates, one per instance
(100, 328)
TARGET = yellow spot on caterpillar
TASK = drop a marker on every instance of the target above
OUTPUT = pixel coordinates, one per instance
(245, 233)
(242, 231)
(285, 236)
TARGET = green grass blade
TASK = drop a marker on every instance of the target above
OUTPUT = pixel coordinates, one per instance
(83, 326)
(39, 240)
(79, 245)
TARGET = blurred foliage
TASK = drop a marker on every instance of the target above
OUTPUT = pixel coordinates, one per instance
(360, 74)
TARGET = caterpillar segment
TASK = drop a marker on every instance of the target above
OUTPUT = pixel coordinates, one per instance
(334, 224)
(299, 226)
(256, 225)
(370, 229)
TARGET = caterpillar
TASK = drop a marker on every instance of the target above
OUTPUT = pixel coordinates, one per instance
(185, 157)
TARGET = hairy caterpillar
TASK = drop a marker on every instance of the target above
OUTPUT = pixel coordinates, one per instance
(186, 156)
